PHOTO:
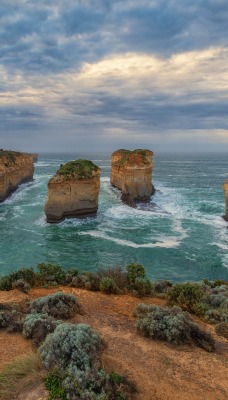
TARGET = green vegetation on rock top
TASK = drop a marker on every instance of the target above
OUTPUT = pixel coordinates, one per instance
(11, 155)
(82, 169)
(126, 155)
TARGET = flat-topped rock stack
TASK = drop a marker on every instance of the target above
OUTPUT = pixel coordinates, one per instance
(131, 172)
(226, 198)
(15, 168)
(73, 191)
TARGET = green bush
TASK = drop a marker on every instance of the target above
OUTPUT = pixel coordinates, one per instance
(58, 305)
(81, 281)
(135, 271)
(186, 295)
(48, 273)
(215, 300)
(38, 326)
(142, 287)
(108, 286)
(21, 285)
(171, 325)
(12, 320)
(25, 274)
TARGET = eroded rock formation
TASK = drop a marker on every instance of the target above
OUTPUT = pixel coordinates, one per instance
(73, 191)
(226, 198)
(15, 168)
(131, 172)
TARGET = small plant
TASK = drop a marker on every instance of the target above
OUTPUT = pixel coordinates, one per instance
(58, 305)
(171, 325)
(222, 329)
(12, 320)
(81, 281)
(108, 285)
(186, 295)
(117, 274)
(38, 326)
(21, 285)
(53, 383)
(135, 271)
(162, 286)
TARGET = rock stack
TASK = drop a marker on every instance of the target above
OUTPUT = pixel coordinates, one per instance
(15, 168)
(73, 191)
(131, 172)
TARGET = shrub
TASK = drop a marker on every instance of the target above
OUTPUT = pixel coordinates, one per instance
(186, 295)
(68, 345)
(135, 271)
(38, 326)
(215, 300)
(171, 325)
(21, 285)
(142, 286)
(81, 281)
(222, 329)
(108, 285)
(50, 273)
(117, 274)
(11, 320)
(215, 316)
(58, 305)
(162, 286)
(25, 274)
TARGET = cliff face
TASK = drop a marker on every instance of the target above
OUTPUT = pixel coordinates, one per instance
(226, 198)
(15, 168)
(73, 191)
(131, 172)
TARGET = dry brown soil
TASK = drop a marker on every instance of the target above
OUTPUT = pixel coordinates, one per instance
(155, 370)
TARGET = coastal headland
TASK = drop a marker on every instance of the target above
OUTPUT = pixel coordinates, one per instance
(15, 168)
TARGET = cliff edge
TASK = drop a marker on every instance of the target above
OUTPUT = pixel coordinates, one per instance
(131, 172)
(15, 168)
(226, 198)
(73, 191)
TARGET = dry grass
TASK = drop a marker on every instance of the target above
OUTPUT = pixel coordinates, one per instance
(23, 372)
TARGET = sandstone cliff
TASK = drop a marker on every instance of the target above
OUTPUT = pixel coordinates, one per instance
(73, 191)
(15, 168)
(226, 198)
(131, 172)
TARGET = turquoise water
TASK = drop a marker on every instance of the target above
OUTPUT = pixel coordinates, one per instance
(182, 235)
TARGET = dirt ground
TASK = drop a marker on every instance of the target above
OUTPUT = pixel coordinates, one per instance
(155, 370)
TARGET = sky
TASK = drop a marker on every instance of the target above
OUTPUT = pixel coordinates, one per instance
(97, 75)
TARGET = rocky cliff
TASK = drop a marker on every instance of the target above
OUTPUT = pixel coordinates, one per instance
(15, 168)
(131, 172)
(226, 198)
(73, 191)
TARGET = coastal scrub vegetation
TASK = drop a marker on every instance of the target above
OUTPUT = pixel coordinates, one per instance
(83, 169)
(10, 155)
(171, 325)
(207, 299)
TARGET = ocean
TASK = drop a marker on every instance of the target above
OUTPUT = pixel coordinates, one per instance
(180, 236)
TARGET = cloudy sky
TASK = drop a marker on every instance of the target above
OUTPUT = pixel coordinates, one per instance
(80, 75)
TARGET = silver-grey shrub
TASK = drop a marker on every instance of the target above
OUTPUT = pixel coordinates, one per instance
(38, 326)
(171, 325)
(58, 305)
(70, 345)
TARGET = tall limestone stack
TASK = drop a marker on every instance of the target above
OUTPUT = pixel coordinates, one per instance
(131, 172)
(226, 198)
(15, 168)
(73, 191)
